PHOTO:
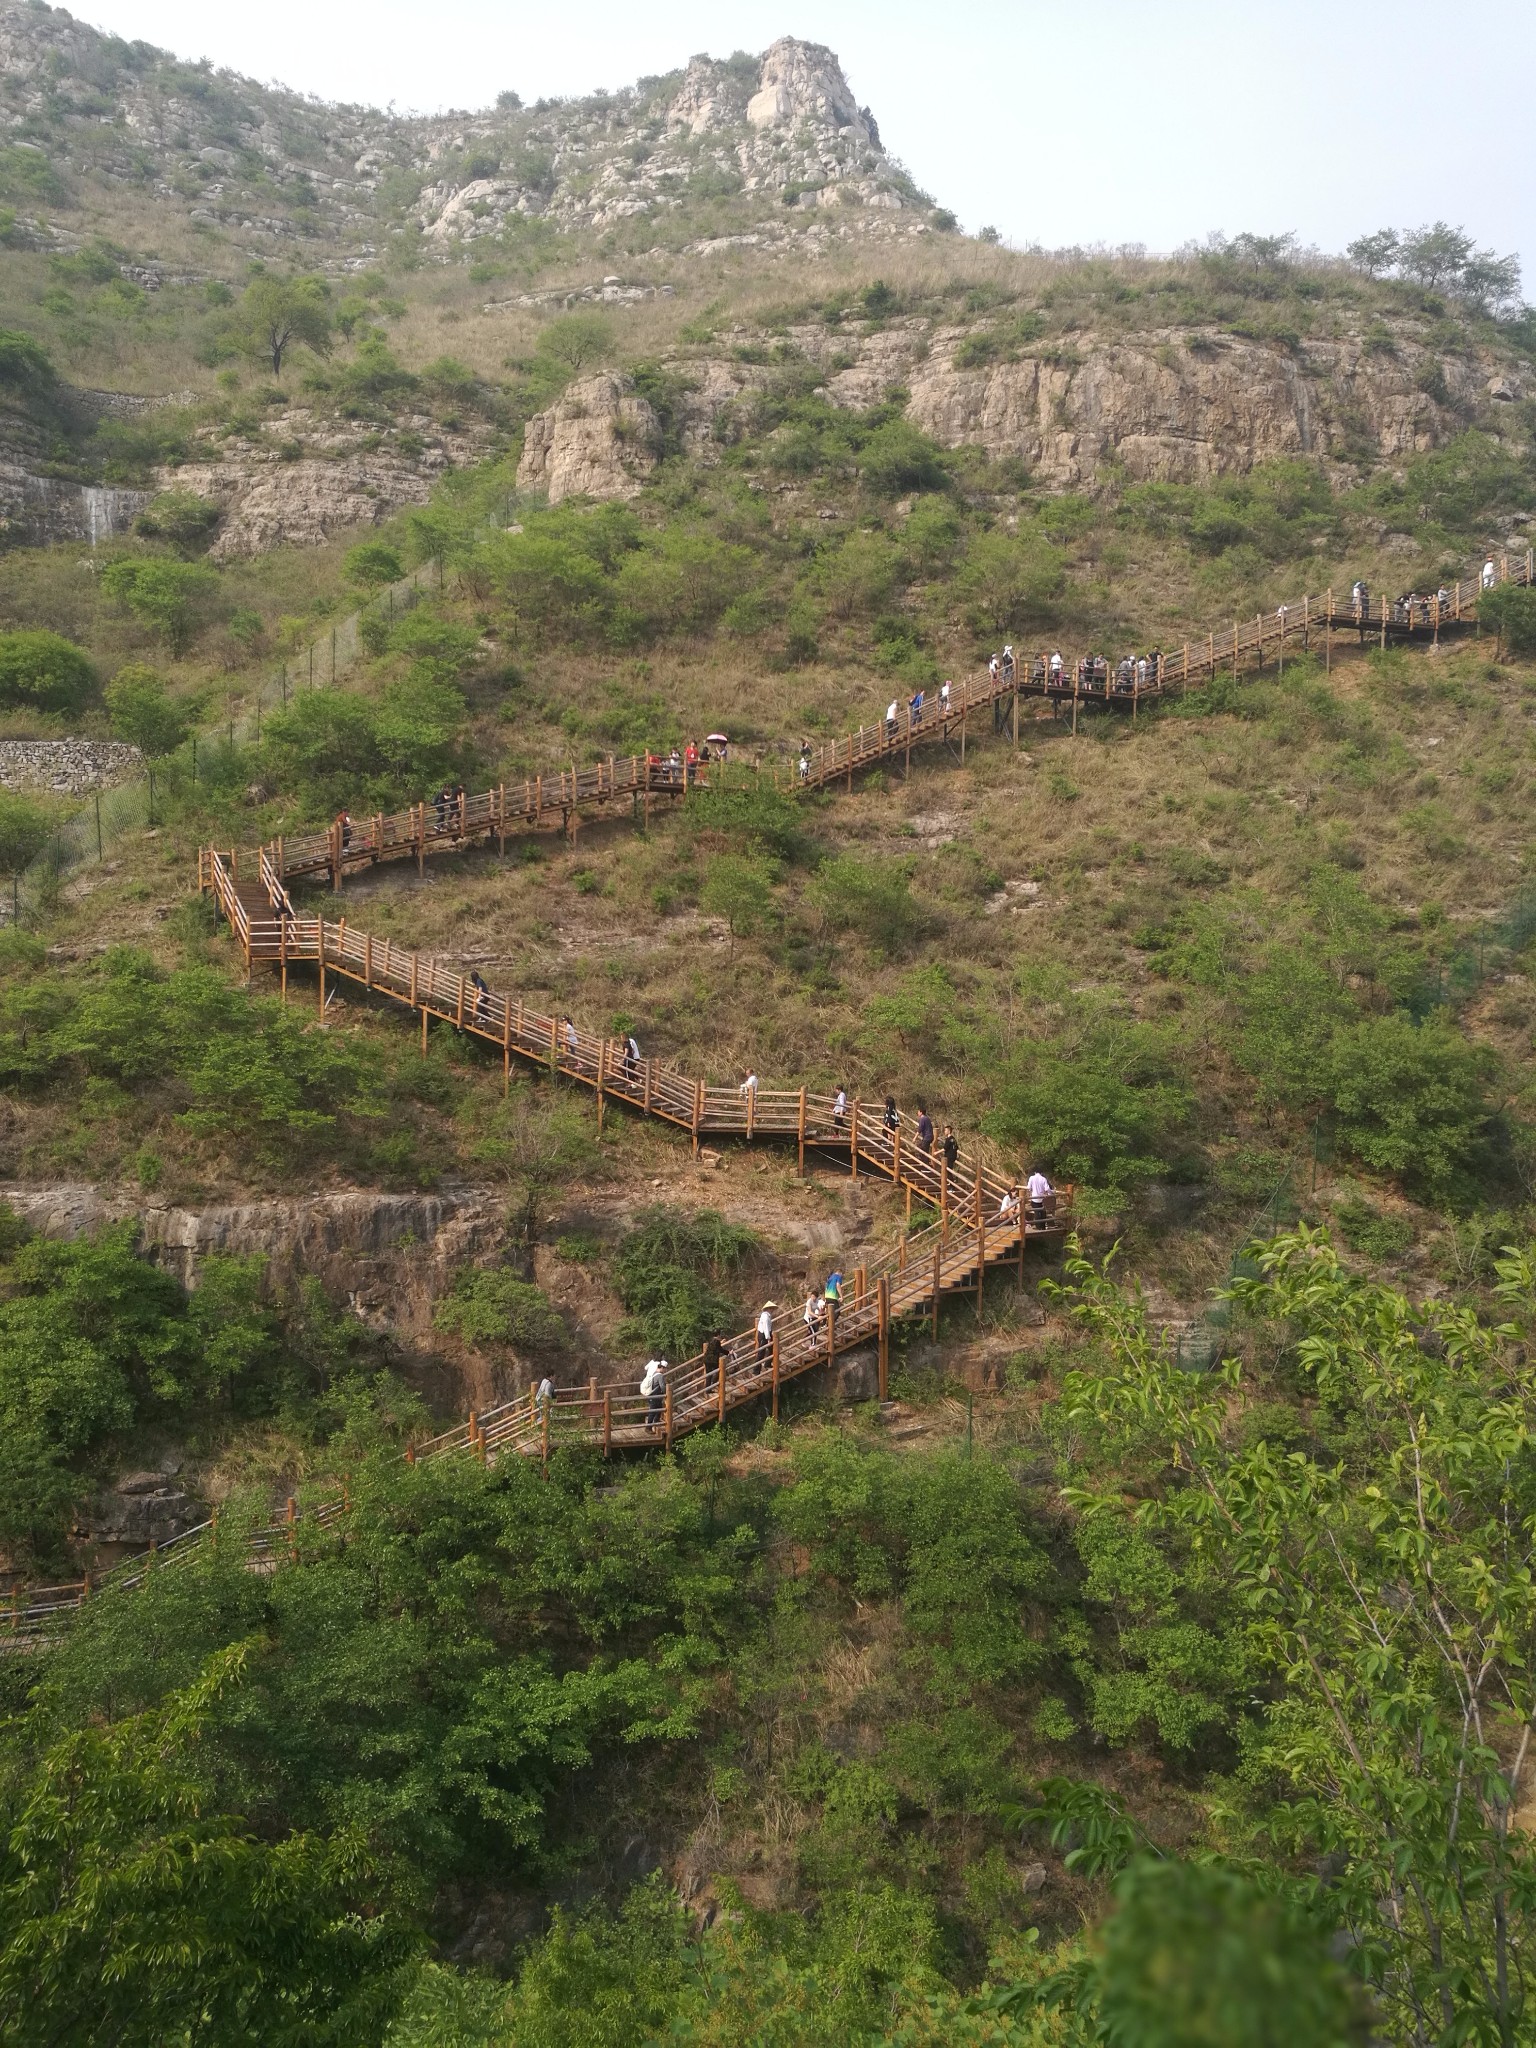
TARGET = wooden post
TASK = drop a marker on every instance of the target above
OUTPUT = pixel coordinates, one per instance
(775, 1369)
(1234, 649)
(290, 1516)
(1383, 622)
(883, 1309)
(720, 1370)
(415, 962)
(944, 1186)
(602, 1062)
(607, 1421)
(965, 698)
(800, 1131)
(458, 1017)
(506, 1046)
(645, 1103)
(981, 1243)
(501, 819)
(320, 956)
(544, 1432)
(751, 1108)
(853, 1141)
(554, 1045)
(938, 1278)
(367, 959)
(896, 1154)
(1328, 638)
(698, 1114)
(1210, 657)
(423, 1030)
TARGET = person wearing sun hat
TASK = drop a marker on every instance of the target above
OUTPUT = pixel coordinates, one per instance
(765, 1330)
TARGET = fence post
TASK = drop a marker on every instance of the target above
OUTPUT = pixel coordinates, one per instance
(775, 1369)
(938, 1281)
(98, 825)
(853, 1142)
(883, 1302)
(698, 1115)
(607, 1420)
(667, 1418)
(721, 1373)
(800, 1131)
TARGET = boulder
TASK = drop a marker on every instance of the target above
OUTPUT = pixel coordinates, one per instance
(597, 441)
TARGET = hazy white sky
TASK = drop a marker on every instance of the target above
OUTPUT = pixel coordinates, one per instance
(1088, 120)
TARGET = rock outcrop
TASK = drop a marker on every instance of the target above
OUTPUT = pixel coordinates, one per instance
(341, 479)
(597, 441)
(1175, 406)
(390, 1257)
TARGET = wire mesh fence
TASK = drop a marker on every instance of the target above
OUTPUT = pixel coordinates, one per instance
(85, 839)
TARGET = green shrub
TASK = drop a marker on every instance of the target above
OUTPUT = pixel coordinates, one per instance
(143, 714)
(671, 1270)
(1411, 1099)
(184, 520)
(372, 563)
(172, 598)
(489, 1305)
(42, 671)
(872, 897)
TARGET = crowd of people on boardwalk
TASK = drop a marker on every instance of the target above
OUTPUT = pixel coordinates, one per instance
(1032, 1200)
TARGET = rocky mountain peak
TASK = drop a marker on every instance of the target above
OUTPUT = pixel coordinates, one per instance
(804, 82)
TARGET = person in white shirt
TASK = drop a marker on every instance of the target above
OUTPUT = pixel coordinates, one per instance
(812, 1313)
(890, 720)
(749, 1088)
(1008, 1207)
(545, 1392)
(653, 1385)
(1040, 1191)
(944, 700)
(840, 1107)
(1490, 574)
(765, 1330)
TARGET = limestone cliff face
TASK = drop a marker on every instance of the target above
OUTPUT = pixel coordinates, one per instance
(389, 1257)
(1175, 407)
(596, 442)
(343, 477)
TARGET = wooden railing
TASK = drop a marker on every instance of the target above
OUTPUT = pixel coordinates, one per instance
(974, 1232)
(951, 1256)
(449, 823)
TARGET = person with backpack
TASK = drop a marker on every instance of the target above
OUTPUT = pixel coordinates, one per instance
(891, 1119)
(653, 1385)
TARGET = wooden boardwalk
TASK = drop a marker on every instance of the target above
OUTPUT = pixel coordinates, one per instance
(639, 781)
(951, 1257)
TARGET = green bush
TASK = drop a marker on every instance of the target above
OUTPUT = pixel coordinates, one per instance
(671, 1271)
(42, 671)
(489, 1305)
(372, 563)
(1512, 614)
(184, 520)
(872, 897)
(172, 598)
(1411, 1099)
(1105, 1108)
(143, 714)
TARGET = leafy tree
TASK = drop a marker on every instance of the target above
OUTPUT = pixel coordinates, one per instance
(1387, 1587)
(276, 314)
(1201, 1955)
(1103, 1107)
(738, 888)
(184, 519)
(899, 457)
(168, 597)
(577, 342)
(42, 671)
(132, 1911)
(372, 563)
(1411, 1099)
(24, 363)
(672, 1272)
(537, 1140)
(143, 713)
(871, 897)
(1511, 611)
(1009, 581)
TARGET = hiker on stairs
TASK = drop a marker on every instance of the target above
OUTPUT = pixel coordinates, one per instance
(653, 1385)
(1041, 1193)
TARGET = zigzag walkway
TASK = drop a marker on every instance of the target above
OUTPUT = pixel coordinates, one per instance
(951, 1257)
(642, 779)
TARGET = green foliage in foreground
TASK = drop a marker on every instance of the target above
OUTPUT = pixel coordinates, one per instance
(1306, 1583)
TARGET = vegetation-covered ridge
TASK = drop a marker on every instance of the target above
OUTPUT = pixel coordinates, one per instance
(945, 1705)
